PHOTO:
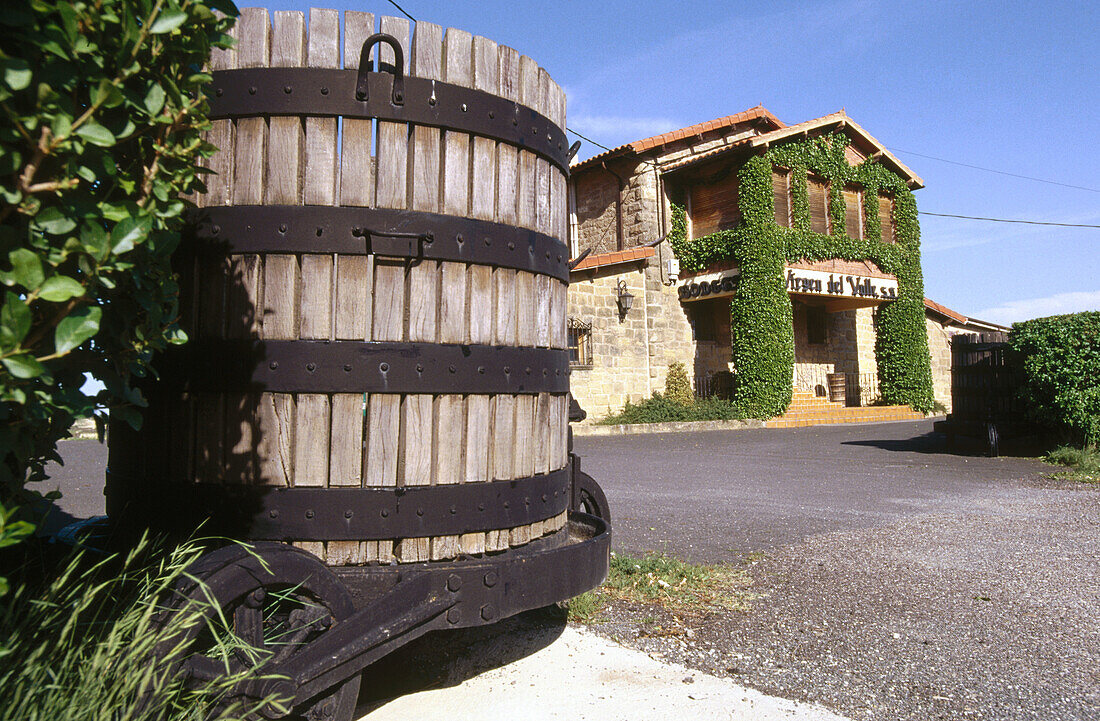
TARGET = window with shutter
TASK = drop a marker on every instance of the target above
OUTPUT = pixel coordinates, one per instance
(818, 191)
(781, 189)
(714, 206)
(853, 212)
(886, 217)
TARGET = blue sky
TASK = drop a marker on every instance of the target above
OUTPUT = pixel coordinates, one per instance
(1011, 86)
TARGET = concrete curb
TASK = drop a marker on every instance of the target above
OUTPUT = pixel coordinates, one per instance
(672, 427)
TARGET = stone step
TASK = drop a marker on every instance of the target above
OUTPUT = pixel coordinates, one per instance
(803, 416)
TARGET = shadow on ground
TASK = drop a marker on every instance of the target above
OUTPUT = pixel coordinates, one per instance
(443, 659)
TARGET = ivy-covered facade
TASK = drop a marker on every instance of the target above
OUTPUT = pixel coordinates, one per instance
(778, 258)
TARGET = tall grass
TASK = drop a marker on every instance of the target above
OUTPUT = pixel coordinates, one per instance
(96, 644)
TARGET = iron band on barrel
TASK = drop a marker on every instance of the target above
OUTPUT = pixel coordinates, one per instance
(353, 514)
(377, 231)
(329, 92)
(297, 366)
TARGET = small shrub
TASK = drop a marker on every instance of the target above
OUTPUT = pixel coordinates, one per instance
(677, 386)
(1085, 462)
(1059, 358)
(662, 409)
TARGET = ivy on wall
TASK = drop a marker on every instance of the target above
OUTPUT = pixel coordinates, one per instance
(761, 315)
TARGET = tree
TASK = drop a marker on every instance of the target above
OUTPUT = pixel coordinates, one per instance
(103, 113)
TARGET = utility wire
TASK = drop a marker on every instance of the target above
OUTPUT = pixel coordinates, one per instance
(998, 172)
(410, 17)
(1005, 220)
(582, 137)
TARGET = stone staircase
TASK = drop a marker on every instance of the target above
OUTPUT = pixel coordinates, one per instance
(809, 410)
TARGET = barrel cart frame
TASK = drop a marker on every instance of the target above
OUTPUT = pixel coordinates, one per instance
(334, 617)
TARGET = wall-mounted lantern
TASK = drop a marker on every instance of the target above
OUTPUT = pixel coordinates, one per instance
(624, 298)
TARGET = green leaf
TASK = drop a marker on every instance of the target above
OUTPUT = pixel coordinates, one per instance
(94, 238)
(23, 366)
(129, 232)
(59, 288)
(96, 134)
(53, 221)
(17, 73)
(154, 99)
(15, 321)
(26, 268)
(79, 326)
(168, 21)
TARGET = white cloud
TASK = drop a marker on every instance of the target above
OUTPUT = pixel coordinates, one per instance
(1017, 310)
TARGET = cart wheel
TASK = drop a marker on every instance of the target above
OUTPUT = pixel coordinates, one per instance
(274, 599)
(590, 498)
(994, 439)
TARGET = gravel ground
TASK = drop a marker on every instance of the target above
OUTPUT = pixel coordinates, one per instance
(987, 613)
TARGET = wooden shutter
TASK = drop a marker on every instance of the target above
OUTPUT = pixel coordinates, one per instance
(781, 191)
(714, 207)
(818, 191)
(853, 212)
(886, 218)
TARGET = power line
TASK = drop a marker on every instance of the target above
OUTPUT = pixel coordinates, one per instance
(590, 140)
(998, 172)
(410, 17)
(1006, 220)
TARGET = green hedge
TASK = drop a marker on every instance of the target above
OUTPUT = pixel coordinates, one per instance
(761, 314)
(1060, 359)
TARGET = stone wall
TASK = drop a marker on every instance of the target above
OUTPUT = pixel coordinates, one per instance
(838, 354)
(595, 195)
(631, 354)
(939, 344)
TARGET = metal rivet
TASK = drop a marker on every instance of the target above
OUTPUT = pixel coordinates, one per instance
(492, 115)
(274, 514)
(544, 499)
(429, 238)
(420, 511)
(454, 582)
(491, 579)
(481, 506)
(252, 90)
(515, 121)
(216, 229)
(256, 598)
(324, 91)
(526, 501)
(511, 246)
(347, 367)
(488, 241)
(559, 258)
(459, 238)
(557, 371)
(311, 367)
(431, 101)
(454, 615)
(506, 504)
(219, 92)
(527, 370)
(287, 89)
(488, 613)
(548, 256)
(534, 130)
(309, 514)
(545, 372)
(384, 367)
(319, 231)
(453, 510)
(464, 107)
(398, 97)
(419, 368)
(385, 513)
(282, 228)
(507, 370)
(451, 369)
(348, 514)
(360, 95)
(273, 365)
(481, 370)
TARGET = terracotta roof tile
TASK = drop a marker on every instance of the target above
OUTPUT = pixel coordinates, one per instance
(598, 260)
(945, 311)
(640, 146)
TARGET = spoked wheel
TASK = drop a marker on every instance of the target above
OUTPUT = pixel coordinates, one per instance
(590, 498)
(274, 599)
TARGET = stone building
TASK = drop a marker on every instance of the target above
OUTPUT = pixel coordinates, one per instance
(632, 312)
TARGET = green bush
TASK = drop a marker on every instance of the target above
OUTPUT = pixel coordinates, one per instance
(1059, 358)
(677, 386)
(102, 132)
(93, 645)
(662, 409)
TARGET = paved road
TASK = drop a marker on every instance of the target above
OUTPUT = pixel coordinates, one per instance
(714, 496)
